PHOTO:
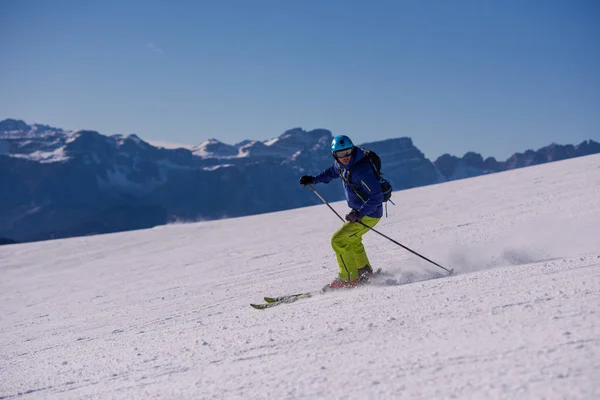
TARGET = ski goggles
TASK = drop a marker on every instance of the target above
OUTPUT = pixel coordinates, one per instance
(343, 153)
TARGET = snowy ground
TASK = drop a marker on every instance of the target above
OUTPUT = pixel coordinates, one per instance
(164, 313)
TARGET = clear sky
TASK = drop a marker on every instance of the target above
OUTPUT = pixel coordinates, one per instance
(489, 76)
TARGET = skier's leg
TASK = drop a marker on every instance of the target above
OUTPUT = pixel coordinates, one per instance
(356, 246)
(342, 242)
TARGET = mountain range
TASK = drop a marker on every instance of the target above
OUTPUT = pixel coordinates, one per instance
(57, 183)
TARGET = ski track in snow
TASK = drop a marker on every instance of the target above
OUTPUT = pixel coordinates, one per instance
(164, 313)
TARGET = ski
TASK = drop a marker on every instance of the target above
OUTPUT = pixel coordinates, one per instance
(286, 298)
(271, 302)
(276, 301)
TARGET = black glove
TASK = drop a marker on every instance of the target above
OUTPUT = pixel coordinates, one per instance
(306, 180)
(354, 216)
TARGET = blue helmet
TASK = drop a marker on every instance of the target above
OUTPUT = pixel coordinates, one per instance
(341, 142)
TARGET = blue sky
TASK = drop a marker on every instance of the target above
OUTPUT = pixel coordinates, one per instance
(489, 76)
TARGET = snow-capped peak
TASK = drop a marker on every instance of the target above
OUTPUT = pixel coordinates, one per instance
(213, 148)
(17, 129)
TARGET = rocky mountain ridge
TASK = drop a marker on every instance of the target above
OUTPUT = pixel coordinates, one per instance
(69, 183)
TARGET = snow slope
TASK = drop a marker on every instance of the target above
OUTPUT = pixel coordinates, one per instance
(163, 313)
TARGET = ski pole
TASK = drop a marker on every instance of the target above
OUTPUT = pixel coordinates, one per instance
(325, 201)
(450, 271)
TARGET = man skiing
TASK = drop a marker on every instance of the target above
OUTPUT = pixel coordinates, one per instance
(364, 197)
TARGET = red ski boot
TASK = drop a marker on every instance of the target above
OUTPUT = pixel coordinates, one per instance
(341, 284)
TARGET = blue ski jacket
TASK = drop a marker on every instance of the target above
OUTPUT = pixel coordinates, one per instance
(363, 191)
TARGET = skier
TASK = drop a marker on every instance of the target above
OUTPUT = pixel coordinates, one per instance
(364, 197)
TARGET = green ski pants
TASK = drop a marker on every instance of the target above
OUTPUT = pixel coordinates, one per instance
(348, 247)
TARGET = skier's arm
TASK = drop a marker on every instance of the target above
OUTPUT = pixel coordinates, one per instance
(327, 175)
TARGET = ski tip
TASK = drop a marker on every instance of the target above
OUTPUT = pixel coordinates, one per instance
(258, 306)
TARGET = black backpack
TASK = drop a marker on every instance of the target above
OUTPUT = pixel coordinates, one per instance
(372, 158)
